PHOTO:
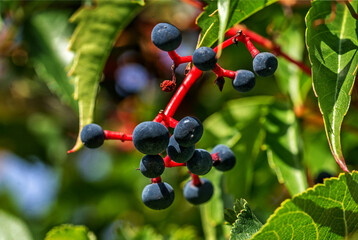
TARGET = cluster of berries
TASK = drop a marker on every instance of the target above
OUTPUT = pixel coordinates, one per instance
(153, 139)
(168, 38)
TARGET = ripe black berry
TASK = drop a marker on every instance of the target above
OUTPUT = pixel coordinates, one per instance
(265, 64)
(227, 157)
(150, 137)
(200, 163)
(244, 81)
(198, 194)
(188, 131)
(152, 166)
(179, 153)
(166, 37)
(204, 58)
(92, 135)
(158, 196)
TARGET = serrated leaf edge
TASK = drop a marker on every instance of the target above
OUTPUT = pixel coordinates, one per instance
(312, 189)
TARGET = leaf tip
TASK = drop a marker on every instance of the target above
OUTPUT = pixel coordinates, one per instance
(77, 147)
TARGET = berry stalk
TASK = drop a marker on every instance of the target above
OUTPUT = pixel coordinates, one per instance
(220, 72)
(195, 180)
(110, 135)
(178, 59)
(269, 45)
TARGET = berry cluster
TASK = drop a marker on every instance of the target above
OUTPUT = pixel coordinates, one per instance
(168, 38)
(153, 139)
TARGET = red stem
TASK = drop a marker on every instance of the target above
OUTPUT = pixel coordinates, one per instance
(226, 43)
(178, 59)
(109, 135)
(170, 163)
(253, 51)
(195, 180)
(189, 80)
(269, 45)
(156, 180)
(220, 72)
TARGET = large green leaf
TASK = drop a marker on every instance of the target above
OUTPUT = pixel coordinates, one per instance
(285, 148)
(12, 228)
(49, 51)
(332, 45)
(209, 21)
(246, 223)
(326, 211)
(70, 232)
(92, 41)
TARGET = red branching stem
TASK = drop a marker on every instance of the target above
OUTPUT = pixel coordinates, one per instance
(253, 51)
(156, 180)
(178, 59)
(269, 45)
(159, 117)
(220, 72)
(264, 42)
(189, 80)
(172, 122)
(195, 180)
(170, 163)
(109, 135)
(165, 120)
(226, 43)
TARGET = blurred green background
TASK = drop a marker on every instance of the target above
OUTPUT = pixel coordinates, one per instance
(101, 189)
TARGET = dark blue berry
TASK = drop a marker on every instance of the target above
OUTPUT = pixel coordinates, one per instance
(92, 135)
(198, 194)
(152, 166)
(227, 157)
(179, 153)
(244, 81)
(265, 64)
(323, 175)
(204, 58)
(158, 196)
(188, 131)
(200, 163)
(166, 37)
(150, 137)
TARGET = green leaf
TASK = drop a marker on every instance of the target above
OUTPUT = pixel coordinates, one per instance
(70, 232)
(246, 224)
(326, 211)
(285, 148)
(49, 53)
(223, 8)
(13, 228)
(230, 216)
(209, 21)
(93, 39)
(291, 79)
(332, 46)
